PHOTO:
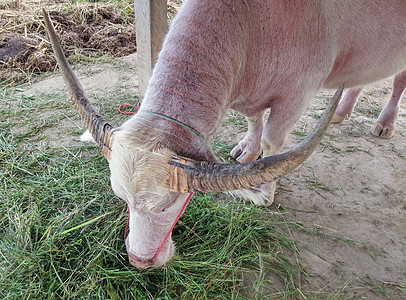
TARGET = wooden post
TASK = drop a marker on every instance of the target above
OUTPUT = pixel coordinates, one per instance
(151, 27)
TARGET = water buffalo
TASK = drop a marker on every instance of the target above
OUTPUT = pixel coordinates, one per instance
(242, 55)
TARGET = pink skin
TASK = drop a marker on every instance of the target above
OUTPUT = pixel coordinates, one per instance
(346, 105)
(385, 125)
(250, 56)
(249, 149)
(147, 233)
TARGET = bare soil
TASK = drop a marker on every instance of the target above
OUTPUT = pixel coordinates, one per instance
(83, 28)
(347, 201)
(350, 197)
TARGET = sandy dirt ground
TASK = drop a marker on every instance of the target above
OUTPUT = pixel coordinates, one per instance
(350, 196)
(348, 200)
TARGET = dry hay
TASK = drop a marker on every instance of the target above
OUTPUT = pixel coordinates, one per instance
(82, 28)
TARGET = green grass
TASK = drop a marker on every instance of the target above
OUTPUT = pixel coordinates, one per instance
(368, 107)
(62, 229)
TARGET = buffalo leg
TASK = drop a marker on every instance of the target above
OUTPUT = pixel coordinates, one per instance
(249, 148)
(277, 128)
(384, 126)
(346, 105)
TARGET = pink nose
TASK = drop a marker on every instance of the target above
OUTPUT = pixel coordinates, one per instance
(136, 261)
(156, 261)
(139, 263)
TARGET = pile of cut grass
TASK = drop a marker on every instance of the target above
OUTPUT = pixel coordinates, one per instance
(83, 28)
(61, 231)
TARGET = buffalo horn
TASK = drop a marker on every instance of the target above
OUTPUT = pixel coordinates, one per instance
(97, 125)
(188, 175)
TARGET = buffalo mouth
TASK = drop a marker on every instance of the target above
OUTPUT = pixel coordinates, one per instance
(142, 263)
(139, 263)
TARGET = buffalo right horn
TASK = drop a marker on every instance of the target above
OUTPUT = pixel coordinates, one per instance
(100, 129)
(188, 175)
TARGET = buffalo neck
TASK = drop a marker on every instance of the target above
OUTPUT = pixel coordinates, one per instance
(194, 78)
(158, 132)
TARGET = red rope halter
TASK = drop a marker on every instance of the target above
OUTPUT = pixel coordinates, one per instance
(128, 209)
(128, 105)
(170, 230)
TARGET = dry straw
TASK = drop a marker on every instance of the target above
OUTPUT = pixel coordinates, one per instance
(82, 28)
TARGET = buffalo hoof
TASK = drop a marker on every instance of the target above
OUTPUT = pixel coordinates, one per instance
(269, 189)
(270, 200)
(244, 152)
(381, 131)
(338, 118)
(261, 195)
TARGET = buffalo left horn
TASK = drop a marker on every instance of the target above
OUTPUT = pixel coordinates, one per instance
(188, 175)
(100, 129)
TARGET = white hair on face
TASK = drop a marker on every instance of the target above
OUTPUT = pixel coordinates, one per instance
(139, 174)
(86, 137)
